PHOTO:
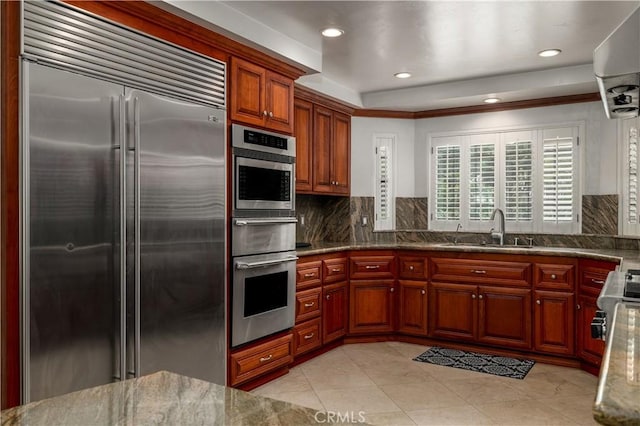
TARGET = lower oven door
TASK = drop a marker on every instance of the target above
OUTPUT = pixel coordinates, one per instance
(264, 291)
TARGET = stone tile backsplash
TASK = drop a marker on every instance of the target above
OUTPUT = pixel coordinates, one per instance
(340, 219)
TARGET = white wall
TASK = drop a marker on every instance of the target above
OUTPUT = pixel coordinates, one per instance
(363, 154)
(600, 164)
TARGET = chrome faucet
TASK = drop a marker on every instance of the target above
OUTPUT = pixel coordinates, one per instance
(500, 233)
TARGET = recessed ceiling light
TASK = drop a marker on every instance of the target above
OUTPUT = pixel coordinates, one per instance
(332, 32)
(547, 53)
(491, 100)
(403, 74)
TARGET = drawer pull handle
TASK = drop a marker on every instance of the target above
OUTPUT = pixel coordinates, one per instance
(266, 358)
(310, 275)
(372, 267)
(336, 270)
(478, 271)
(411, 268)
(553, 276)
(308, 305)
(309, 336)
(593, 280)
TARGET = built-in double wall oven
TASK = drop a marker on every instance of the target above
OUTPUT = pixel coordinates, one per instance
(263, 234)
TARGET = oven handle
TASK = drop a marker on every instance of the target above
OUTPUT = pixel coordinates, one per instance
(262, 264)
(245, 222)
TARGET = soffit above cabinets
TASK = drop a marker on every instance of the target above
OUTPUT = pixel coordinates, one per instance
(458, 52)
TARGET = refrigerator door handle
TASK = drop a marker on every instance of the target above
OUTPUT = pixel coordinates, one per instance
(136, 231)
(121, 332)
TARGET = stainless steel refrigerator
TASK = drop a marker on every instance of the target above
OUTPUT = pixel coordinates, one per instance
(124, 234)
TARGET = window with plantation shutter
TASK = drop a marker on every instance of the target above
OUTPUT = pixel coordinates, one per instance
(448, 182)
(518, 176)
(384, 201)
(629, 201)
(482, 181)
(632, 191)
(531, 174)
(558, 181)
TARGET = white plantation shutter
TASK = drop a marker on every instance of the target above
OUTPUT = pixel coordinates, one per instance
(558, 179)
(482, 181)
(518, 176)
(447, 165)
(629, 218)
(384, 205)
(632, 190)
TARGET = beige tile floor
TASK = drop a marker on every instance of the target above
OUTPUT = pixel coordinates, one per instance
(381, 380)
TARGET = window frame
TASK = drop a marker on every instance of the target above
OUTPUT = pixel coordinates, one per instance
(500, 135)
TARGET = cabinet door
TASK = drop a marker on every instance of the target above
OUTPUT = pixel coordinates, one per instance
(371, 306)
(412, 307)
(340, 153)
(248, 104)
(554, 322)
(279, 102)
(322, 135)
(334, 311)
(303, 126)
(504, 316)
(453, 311)
(589, 349)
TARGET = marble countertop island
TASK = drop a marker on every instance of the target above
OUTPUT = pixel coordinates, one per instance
(161, 398)
(618, 397)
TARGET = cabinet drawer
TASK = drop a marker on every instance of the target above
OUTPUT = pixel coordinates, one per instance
(308, 304)
(308, 274)
(413, 267)
(372, 267)
(554, 276)
(253, 362)
(592, 278)
(481, 271)
(334, 270)
(307, 336)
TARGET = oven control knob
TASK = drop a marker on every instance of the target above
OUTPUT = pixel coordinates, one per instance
(599, 328)
(601, 314)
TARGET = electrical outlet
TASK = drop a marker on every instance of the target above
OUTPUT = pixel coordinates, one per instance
(301, 220)
(365, 220)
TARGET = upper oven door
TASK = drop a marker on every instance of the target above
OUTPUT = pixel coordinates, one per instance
(263, 184)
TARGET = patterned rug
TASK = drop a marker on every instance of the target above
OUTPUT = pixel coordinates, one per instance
(490, 364)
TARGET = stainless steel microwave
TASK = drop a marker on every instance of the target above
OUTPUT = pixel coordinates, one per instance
(264, 170)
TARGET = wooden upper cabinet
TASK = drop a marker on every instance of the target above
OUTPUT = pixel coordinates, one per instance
(322, 135)
(260, 97)
(340, 153)
(303, 125)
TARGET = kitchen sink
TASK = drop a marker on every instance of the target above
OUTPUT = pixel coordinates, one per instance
(483, 244)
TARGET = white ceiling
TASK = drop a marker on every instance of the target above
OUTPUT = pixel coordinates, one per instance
(458, 52)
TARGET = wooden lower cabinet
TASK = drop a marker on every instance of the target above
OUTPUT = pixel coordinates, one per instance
(247, 364)
(504, 316)
(412, 307)
(589, 349)
(452, 311)
(371, 306)
(554, 322)
(307, 336)
(334, 311)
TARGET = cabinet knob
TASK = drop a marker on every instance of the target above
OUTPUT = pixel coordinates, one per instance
(264, 112)
(480, 297)
(578, 307)
(538, 301)
(270, 114)
(392, 289)
(328, 296)
(473, 296)
(423, 292)
(411, 268)
(553, 276)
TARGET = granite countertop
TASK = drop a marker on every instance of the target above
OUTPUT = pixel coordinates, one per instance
(630, 258)
(618, 397)
(160, 398)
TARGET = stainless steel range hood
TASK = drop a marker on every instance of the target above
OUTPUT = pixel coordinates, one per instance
(616, 63)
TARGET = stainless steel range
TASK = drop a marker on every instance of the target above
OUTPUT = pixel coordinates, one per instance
(619, 287)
